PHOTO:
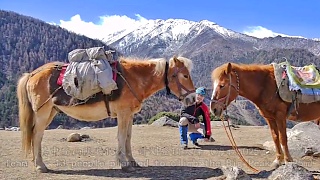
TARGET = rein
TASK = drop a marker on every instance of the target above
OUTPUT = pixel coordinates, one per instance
(226, 117)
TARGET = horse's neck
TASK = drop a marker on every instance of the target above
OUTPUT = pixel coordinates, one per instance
(144, 80)
(252, 83)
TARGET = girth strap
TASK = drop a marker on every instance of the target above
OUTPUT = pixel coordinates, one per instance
(106, 103)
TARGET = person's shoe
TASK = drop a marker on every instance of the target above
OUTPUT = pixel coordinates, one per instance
(211, 139)
(184, 146)
(194, 137)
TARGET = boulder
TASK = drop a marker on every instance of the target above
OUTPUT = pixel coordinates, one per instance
(165, 121)
(291, 171)
(303, 140)
(234, 173)
(60, 127)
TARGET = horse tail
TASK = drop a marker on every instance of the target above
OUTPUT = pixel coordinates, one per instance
(25, 113)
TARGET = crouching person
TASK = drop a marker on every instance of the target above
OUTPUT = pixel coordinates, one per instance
(189, 121)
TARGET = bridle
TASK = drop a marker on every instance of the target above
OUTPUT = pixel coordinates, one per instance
(226, 97)
(180, 86)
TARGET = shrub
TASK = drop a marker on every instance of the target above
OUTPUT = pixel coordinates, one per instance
(176, 117)
(173, 116)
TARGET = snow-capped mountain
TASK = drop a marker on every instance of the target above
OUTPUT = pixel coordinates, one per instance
(171, 28)
(177, 36)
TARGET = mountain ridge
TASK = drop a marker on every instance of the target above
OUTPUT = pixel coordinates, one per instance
(29, 43)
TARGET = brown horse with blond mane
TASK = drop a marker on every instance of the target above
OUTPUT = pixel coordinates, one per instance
(257, 83)
(40, 99)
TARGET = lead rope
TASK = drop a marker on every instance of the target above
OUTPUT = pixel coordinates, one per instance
(231, 139)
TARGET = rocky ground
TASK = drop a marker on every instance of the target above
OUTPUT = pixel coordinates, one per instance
(156, 148)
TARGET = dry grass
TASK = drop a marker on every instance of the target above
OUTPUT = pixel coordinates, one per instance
(155, 148)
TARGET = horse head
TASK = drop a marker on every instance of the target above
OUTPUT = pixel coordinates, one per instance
(179, 81)
(225, 88)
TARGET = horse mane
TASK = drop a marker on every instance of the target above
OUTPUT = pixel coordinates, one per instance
(243, 67)
(160, 63)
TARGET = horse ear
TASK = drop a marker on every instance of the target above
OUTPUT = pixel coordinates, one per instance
(229, 68)
(175, 59)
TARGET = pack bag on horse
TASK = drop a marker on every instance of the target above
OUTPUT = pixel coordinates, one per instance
(264, 85)
(88, 73)
(41, 97)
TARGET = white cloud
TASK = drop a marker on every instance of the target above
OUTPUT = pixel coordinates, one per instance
(107, 26)
(261, 32)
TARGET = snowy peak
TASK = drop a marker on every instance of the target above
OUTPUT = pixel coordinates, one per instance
(170, 29)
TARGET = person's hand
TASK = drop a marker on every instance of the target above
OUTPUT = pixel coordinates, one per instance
(197, 125)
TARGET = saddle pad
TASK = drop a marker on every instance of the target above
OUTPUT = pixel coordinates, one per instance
(282, 81)
(306, 76)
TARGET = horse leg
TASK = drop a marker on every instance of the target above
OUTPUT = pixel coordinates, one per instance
(282, 127)
(275, 136)
(129, 155)
(123, 124)
(41, 122)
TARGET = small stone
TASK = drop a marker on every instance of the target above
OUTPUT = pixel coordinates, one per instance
(74, 137)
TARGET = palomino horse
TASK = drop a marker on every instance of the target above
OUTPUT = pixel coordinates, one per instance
(257, 83)
(41, 98)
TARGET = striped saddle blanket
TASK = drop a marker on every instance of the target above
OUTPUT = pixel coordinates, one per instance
(300, 83)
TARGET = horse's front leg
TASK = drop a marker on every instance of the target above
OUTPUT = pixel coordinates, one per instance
(275, 136)
(129, 155)
(123, 125)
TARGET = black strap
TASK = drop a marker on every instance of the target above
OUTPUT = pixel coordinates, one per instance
(166, 81)
(106, 102)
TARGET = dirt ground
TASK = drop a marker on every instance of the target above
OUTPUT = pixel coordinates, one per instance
(155, 148)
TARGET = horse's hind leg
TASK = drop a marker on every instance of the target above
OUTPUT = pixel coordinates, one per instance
(123, 124)
(282, 128)
(129, 155)
(42, 120)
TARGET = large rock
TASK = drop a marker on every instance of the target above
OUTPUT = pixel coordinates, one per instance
(234, 173)
(291, 171)
(303, 140)
(165, 121)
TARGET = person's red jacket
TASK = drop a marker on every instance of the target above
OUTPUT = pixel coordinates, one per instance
(194, 111)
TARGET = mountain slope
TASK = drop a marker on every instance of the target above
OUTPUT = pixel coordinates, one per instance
(210, 45)
(27, 43)
(178, 36)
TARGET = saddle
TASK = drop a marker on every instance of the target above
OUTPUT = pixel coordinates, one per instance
(297, 84)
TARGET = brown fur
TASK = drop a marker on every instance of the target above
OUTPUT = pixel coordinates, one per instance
(257, 83)
(38, 106)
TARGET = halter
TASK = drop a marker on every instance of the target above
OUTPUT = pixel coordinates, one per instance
(226, 98)
(180, 86)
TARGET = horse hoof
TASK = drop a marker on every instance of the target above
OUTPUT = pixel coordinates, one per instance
(127, 169)
(135, 164)
(274, 165)
(42, 169)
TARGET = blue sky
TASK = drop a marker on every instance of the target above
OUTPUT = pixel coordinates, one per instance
(257, 18)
